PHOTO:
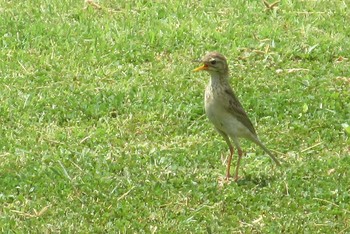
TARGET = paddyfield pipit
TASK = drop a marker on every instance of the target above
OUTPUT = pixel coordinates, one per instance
(225, 111)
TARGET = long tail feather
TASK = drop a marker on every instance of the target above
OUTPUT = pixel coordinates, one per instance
(267, 151)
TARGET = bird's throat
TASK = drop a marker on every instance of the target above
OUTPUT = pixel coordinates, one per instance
(218, 80)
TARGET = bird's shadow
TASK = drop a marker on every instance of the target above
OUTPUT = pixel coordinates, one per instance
(258, 180)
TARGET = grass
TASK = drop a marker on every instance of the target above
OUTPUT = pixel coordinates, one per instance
(103, 127)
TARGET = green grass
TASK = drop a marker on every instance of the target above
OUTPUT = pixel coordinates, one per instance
(103, 127)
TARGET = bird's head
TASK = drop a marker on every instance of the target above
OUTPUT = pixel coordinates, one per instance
(214, 63)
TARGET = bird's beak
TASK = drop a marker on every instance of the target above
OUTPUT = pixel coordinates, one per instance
(203, 67)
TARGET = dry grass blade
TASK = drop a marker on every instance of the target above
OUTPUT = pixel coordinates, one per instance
(93, 4)
(291, 70)
(343, 79)
(270, 6)
(311, 147)
(35, 215)
(125, 194)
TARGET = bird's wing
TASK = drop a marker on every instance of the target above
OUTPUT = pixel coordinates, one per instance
(235, 108)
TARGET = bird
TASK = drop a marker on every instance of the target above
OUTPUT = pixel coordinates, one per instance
(224, 110)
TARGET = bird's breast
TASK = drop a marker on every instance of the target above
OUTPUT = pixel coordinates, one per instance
(216, 111)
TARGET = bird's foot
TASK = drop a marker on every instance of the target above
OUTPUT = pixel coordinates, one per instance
(236, 178)
(224, 180)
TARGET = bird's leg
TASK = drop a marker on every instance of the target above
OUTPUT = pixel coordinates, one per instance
(229, 163)
(240, 153)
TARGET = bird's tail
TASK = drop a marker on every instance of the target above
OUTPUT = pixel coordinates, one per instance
(268, 152)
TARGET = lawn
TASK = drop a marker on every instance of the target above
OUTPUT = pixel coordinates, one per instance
(103, 128)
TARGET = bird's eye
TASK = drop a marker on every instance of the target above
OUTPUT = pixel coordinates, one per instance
(213, 62)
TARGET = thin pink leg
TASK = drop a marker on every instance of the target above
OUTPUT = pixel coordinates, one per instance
(229, 163)
(240, 153)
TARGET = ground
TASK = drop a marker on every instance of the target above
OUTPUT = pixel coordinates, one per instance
(103, 127)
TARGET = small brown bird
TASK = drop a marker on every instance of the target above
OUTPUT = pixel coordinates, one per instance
(225, 111)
